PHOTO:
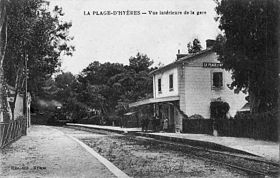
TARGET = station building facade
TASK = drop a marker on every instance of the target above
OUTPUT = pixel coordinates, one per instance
(188, 86)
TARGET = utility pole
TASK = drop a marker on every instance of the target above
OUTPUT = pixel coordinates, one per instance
(25, 112)
(25, 93)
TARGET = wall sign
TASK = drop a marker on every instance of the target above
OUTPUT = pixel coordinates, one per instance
(212, 65)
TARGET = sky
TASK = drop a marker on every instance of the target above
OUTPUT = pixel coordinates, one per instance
(115, 38)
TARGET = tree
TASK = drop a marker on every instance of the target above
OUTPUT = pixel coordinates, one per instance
(98, 74)
(249, 48)
(95, 90)
(194, 47)
(64, 80)
(65, 89)
(110, 86)
(5, 113)
(65, 84)
(132, 86)
(140, 62)
(36, 35)
(135, 83)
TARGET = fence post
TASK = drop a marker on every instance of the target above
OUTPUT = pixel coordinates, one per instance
(215, 130)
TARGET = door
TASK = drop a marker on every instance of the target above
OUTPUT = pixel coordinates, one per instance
(171, 119)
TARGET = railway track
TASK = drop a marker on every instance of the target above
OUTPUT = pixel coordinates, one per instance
(252, 166)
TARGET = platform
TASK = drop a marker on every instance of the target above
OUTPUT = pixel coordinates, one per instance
(266, 149)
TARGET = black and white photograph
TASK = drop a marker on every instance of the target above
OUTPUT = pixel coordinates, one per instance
(142, 88)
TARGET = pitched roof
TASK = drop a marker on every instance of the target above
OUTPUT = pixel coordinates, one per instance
(181, 60)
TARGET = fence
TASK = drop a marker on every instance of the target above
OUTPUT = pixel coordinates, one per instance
(201, 126)
(11, 131)
(264, 127)
(258, 128)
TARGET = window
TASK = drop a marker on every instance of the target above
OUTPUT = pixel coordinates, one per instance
(171, 82)
(159, 85)
(217, 79)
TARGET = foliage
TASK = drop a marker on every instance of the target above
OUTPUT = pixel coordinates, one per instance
(36, 35)
(96, 92)
(65, 80)
(141, 62)
(74, 110)
(65, 85)
(103, 89)
(249, 48)
(219, 109)
(109, 87)
(194, 47)
(64, 89)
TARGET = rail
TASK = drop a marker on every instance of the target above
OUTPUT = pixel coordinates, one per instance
(252, 166)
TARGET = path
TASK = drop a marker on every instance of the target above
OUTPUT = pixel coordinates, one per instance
(47, 152)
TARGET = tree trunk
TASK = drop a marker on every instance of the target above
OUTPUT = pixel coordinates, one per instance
(5, 113)
(18, 85)
(254, 102)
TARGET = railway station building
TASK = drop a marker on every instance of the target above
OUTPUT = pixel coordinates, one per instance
(188, 86)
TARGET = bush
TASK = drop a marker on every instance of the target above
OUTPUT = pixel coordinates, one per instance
(219, 109)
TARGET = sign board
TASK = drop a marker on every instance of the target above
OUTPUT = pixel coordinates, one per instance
(212, 65)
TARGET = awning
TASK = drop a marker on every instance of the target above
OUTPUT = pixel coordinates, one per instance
(154, 100)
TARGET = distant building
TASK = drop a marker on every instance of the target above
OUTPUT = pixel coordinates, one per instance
(188, 86)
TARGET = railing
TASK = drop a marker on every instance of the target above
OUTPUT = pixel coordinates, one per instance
(11, 131)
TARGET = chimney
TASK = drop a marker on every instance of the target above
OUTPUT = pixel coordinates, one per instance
(179, 55)
(210, 43)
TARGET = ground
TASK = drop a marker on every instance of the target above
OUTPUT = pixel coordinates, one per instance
(49, 152)
(139, 158)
